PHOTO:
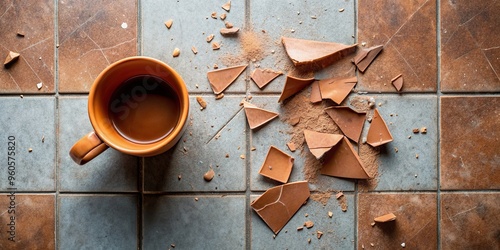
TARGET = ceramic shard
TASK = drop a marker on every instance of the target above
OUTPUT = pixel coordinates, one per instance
(315, 92)
(262, 77)
(256, 116)
(397, 82)
(378, 133)
(277, 165)
(11, 57)
(278, 204)
(349, 121)
(320, 143)
(366, 57)
(293, 85)
(229, 31)
(309, 52)
(221, 79)
(337, 89)
(343, 161)
(385, 218)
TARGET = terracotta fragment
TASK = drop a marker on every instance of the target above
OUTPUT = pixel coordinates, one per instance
(378, 133)
(210, 38)
(291, 146)
(308, 224)
(215, 45)
(229, 31)
(202, 102)
(397, 82)
(195, 51)
(11, 58)
(319, 234)
(320, 143)
(385, 218)
(209, 175)
(343, 161)
(293, 85)
(315, 93)
(223, 16)
(366, 57)
(227, 6)
(337, 89)
(169, 23)
(219, 96)
(176, 52)
(349, 121)
(308, 52)
(278, 204)
(214, 15)
(220, 79)
(262, 77)
(257, 117)
(277, 165)
(228, 24)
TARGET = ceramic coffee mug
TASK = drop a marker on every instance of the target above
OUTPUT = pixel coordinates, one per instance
(138, 106)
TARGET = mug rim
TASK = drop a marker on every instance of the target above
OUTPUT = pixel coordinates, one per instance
(149, 149)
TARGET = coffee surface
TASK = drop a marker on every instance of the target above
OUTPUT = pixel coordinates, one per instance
(144, 109)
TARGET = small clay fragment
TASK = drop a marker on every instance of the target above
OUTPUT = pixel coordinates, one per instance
(223, 16)
(295, 120)
(262, 77)
(330, 214)
(385, 218)
(20, 34)
(214, 15)
(415, 130)
(220, 79)
(349, 121)
(176, 52)
(228, 24)
(257, 117)
(308, 52)
(291, 146)
(30, 150)
(300, 228)
(366, 56)
(423, 130)
(227, 6)
(319, 234)
(11, 58)
(168, 23)
(39, 85)
(278, 204)
(219, 96)
(397, 82)
(308, 224)
(293, 85)
(343, 161)
(209, 175)
(315, 96)
(229, 31)
(215, 45)
(338, 195)
(320, 143)
(378, 133)
(202, 102)
(277, 165)
(210, 38)
(337, 89)
(195, 51)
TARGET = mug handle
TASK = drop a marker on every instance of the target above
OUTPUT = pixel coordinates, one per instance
(87, 148)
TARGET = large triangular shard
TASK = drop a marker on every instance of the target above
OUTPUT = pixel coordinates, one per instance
(277, 165)
(11, 57)
(309, 52)
(366, 57)
(343, 161)
(256, 116)
(262, 77)
(221, 79)
(349, 121)
(378, 133)
(320, 143)
(397, 82)
(315, 96)
(293, 85)
(337, 89)
(278, 204)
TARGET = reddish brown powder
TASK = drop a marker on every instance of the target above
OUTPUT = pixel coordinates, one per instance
(252, 46)
(322, 197)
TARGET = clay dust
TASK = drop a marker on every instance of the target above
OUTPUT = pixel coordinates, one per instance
(252, 46)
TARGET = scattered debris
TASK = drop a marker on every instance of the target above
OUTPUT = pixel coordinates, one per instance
(416, 156)
(229, 31)
(277, 165)
(397, 82)
(39, 85)
(262, 77)
(242, 156)
(349, 121)
(20, 34)
(330, 214)
(219, 96)
(21, 96)
(372, 224)
(415, 130)
(223, 16)
(366, 56)
(176, 52)
(403, 245)
(172, 245)
(210, 38)
(169, 23)
(11, 58)
(214, 15)
(385, 218)
(30, 150)
(256, 116)
(309, 240)
(423, 130)
(291, 146)
(320, 143)
(319, 234)
(308, 224)
(43, 139)
(221, 79)
(378, 133)
(341, 10)
(339, 195)
(300, 228)
(196, 199)
(228, 25)
(293, 85)
(215, 45)
(202, 102)
(179, 177)
(195, 51)
(227, 6)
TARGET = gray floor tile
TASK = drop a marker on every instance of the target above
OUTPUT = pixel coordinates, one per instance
(191, 25)
(199, 149)
(275, 133)
(28, 120)
(110, 171)
(402, 170)
(209, 223)
(97, 222)
(338, 231)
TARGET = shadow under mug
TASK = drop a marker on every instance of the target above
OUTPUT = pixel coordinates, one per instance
(138, 106)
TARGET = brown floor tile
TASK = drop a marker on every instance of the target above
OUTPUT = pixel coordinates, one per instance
(415, 224)
(36, 64)
(408, 31)
(470, 45)
(470, 221)
(34, 221)
(92, 35)
(470, 142)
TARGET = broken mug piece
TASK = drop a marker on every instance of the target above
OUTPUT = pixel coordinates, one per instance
(343, 161)
(366, 56)
(138, 106)
(337, 89)
(320, 143)
(293, 85)
(277, 165)
(278, 204)
(262, 77)
(378, 133)
(349, 121)
(257, 117)
(11, 58)
(221, 79)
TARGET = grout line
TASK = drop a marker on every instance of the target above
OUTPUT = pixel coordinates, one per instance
(356, 197)
(248, 138)
(140, 203)
(56, 122)
(438, 120)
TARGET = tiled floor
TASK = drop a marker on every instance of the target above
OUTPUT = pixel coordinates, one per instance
(443, 186)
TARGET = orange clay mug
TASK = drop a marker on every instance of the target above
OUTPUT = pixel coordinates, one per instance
(138, 106)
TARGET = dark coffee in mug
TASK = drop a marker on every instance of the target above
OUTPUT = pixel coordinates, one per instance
(144, 109)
